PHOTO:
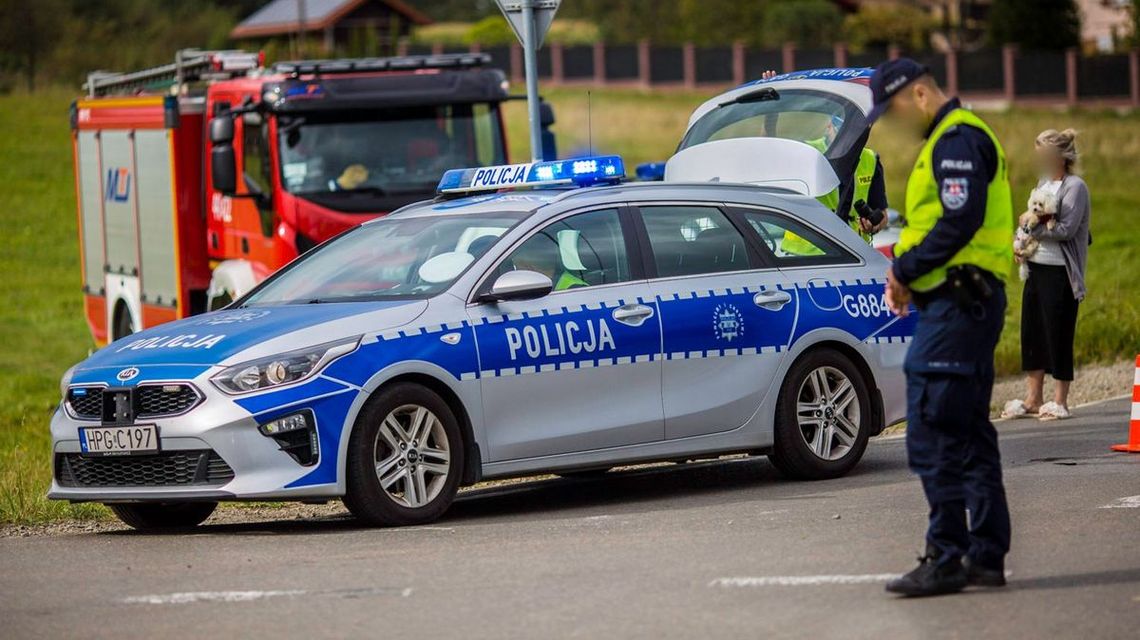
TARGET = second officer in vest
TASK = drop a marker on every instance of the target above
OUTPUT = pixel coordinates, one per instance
(951, 260)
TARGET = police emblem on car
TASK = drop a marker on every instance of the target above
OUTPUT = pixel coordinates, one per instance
(534, 318)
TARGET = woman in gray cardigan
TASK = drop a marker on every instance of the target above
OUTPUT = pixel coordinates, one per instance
(1056, 283)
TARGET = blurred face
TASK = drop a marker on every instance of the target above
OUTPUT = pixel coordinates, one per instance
(906, 111)
(1049, 161)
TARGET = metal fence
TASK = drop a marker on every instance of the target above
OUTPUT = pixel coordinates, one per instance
(1054, 77)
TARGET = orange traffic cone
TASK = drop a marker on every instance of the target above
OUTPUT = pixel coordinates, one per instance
(1133, 445)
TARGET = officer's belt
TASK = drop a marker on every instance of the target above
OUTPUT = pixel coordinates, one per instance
(923, 298)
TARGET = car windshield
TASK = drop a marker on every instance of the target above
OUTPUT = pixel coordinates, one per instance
(827, 122)
(394, 258)
(386, 151)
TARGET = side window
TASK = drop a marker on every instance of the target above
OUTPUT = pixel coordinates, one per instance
(256, 166)
(688, 240)
(792, 243)
(584, 250)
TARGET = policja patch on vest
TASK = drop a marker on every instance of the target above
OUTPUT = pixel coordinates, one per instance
(955, 192)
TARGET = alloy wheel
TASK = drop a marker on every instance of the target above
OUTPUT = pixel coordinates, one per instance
(412, 455)
(827, 412)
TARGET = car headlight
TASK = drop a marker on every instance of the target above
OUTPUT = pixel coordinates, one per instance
(281, 369)
(65, 381)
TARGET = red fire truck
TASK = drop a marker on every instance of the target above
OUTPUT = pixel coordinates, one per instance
(197, 179)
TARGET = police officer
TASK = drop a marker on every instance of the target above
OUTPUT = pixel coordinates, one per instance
(951, 260)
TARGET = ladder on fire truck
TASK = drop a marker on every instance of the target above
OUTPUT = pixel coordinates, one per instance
(190, 65)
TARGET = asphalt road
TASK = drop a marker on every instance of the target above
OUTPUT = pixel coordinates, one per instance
(724, 549)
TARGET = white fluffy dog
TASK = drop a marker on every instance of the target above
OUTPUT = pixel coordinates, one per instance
(1042, 210)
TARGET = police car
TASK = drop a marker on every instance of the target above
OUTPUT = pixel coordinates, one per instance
(533, 318)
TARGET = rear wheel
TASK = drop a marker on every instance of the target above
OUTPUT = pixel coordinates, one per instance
(124, 324)
(405, 457)
(164, 516)
(823, 417)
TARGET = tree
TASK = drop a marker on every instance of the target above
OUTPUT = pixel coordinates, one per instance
(812, 24)
(1035, 24)
(28, 30)
(492, 31)
(882, 25)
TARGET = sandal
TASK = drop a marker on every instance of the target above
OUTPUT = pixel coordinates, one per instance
(1015, 409)
(1053, 411)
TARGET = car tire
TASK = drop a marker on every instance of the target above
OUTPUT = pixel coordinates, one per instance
(823, 398)
(405, 457)
(163, 516)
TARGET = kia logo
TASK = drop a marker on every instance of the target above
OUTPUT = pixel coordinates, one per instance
(130, 373)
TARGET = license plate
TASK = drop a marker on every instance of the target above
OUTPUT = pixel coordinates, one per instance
(119, 441)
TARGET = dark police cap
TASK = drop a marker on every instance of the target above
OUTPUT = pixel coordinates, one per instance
(889, 79)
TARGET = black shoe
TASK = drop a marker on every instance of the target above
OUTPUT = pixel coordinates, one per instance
(982, 576)
(930, 578)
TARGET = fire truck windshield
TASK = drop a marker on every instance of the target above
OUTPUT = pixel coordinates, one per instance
(386, 151)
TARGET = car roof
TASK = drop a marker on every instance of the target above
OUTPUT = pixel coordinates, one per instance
(535, 201)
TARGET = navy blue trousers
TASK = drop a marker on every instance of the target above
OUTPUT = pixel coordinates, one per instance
(951, 443)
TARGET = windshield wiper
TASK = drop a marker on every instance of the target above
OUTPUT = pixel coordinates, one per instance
(763, 95)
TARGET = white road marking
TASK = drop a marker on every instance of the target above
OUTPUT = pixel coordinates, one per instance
(1131, 502)
(187, 597)
(190, 597)
(801, 581)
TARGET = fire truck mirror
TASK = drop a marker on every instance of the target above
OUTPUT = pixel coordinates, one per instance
(221, 129)
(223, 168)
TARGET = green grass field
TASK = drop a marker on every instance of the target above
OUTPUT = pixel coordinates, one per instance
(42, 330)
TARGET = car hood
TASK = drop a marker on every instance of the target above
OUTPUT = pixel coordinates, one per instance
(184, 348)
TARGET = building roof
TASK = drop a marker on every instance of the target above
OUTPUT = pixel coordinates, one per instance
(280, 17)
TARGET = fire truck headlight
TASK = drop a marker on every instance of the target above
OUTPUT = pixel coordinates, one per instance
(281, 369)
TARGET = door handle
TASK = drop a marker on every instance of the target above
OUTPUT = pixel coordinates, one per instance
(633, 315)
(772, 300)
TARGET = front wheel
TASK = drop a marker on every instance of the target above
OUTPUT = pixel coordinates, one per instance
(823, 417)
(405, 458)
(164, 516)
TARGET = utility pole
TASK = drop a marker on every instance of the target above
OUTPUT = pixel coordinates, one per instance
(530, 19)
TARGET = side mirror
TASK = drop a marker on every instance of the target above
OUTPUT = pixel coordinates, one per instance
(221, 129)
(520, 285)
(651, 171)
(223, 168)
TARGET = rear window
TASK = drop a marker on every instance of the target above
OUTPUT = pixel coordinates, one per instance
(829, 123)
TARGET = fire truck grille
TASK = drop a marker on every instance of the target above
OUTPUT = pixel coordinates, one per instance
(163, 400)
(167, 469)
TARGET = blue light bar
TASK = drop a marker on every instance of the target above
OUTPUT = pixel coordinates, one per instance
(580, 172)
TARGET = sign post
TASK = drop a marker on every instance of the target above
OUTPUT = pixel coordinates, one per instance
(530, 20)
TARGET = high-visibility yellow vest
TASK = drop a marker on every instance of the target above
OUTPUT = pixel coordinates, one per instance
(991, 248)
(569, 281)
(864, 174)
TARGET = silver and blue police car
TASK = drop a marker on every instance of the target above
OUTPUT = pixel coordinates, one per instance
(533, 318)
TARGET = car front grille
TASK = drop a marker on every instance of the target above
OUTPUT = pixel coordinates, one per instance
(150, 400)
(167, 469)
(86, 402)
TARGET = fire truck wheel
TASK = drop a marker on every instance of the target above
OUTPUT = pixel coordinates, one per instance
(124, 325)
